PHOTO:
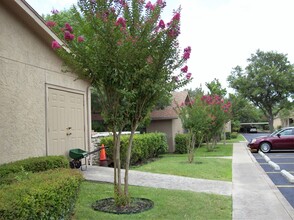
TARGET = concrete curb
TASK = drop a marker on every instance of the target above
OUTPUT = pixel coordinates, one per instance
(268, 160)
(288, 176)
(274, 165)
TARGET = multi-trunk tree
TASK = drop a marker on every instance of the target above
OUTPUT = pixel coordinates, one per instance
(131, 56)
(204, 118)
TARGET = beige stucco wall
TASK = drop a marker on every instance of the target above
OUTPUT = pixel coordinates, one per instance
(169, 127)
(164, 126)
(27, 67)
(285, 122)
(177, 129)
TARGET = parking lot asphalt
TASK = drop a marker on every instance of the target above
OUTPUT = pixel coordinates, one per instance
(285, 160)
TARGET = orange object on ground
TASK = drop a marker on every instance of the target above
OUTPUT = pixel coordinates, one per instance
(103, 160)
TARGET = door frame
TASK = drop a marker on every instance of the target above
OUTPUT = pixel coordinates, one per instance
(86, 112)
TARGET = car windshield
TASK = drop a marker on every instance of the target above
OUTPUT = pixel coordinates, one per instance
(275, 132)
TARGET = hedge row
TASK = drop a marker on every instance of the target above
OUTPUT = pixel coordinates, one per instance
(44, 195)
(35, 164)
(145, 146)
(181, 141)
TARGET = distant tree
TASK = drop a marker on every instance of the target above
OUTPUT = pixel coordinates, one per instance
(243, 111)
(193, 93)
(267, 82)
(215, 88)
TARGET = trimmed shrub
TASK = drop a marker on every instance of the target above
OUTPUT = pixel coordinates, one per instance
(181, 143)
(228, 135)
(145, 146)
(234, 135)
(45, 195)
(35, 164)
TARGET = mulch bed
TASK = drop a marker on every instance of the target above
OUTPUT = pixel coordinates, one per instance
(136, 205)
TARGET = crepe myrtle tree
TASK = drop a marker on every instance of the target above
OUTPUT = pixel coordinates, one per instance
(131, 56)
(218, 112)
(195, 120)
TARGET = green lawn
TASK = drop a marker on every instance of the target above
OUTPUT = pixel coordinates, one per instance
(168, 204)
(236, 140)
(203, 166)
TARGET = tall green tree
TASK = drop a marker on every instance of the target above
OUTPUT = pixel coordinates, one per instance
(193, 93)
(215, 88)
(243, 111)
(267, 82)
(131, 56)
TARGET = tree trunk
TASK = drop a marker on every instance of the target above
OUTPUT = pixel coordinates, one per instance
(225, 138)
(128, 159)
(271, 123)
(118, 192)
(191, 146)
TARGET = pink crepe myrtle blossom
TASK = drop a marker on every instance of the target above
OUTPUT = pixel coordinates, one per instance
(68, 27)
(188, 49)
(55, 45)
(123, 3)
(121, 21)
(177, 16)
(149, 6)
(54, 11)
(50, 23)
(173, 33)
(187, 52)
(161, 3)
(161, 24)
(81, 39)
(68, 36)
(186, 56)
(188, 76)
(184, 69)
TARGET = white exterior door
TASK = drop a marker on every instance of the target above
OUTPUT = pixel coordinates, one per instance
(66, 121)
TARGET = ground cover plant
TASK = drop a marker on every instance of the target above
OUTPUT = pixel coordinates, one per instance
(168, 204)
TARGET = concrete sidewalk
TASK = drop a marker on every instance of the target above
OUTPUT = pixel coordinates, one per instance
(254, 194)
(138, 178)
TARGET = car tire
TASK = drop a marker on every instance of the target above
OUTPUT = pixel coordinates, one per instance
(265, 147)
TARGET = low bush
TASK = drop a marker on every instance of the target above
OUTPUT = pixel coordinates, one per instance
(228, 135)
(44, 195)
(145, 146)
(35, 164)
(234, 135)
(181, 143)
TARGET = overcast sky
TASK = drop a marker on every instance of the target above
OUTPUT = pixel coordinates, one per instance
(222, 33)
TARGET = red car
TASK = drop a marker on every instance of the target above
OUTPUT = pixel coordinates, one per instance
(282, 139)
